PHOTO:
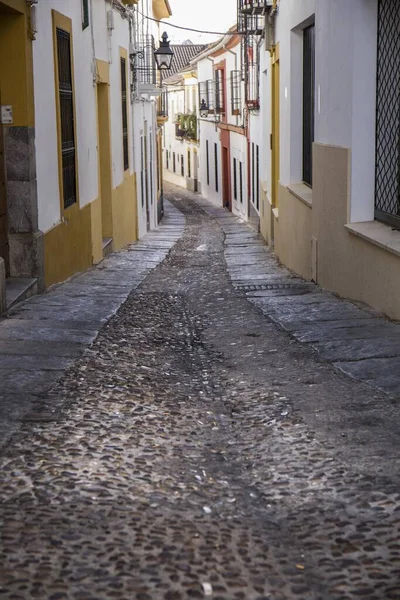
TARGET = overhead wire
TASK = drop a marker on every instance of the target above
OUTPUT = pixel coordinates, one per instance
(191, 29)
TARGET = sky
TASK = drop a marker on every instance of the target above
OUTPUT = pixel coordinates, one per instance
(210, 15)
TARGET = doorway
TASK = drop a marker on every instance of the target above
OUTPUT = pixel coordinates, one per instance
(226, 178)
(4, 250)
(105, 180)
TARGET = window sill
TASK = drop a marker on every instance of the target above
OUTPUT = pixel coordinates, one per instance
(302, 192)
(376, 233)
(275, 212)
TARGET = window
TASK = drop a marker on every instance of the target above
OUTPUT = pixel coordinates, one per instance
(241, 181)
(257, 177)
(189, 165)
(216, 166)
(124, 114)
(66, 99)
(166, 159)
(308, 101)
(174, 162)
(85, 14)
(234, 180)
(387, 171)
(182, 166)
(211, 96)
(207, 163)
(236, 81)
(219, 91)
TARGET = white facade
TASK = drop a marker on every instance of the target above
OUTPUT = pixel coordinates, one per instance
(95, 42)
(225, 134)
(180, 151)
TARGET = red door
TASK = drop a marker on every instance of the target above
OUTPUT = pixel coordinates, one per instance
(226, 170)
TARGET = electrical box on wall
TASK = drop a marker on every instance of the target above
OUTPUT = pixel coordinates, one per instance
(110, 19)
(6, 115)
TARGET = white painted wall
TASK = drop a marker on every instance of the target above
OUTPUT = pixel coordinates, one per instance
(182, 98)
(345, 89)
(85, 50)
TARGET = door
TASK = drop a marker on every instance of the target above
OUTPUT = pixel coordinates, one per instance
(226, 178)
(3, 206)
(146, 176)
(275, 126)
(103, 100)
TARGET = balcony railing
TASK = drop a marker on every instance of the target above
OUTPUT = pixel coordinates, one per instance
(186, 127)
(251, 15)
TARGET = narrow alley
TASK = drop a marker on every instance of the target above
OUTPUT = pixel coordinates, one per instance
(195, 448)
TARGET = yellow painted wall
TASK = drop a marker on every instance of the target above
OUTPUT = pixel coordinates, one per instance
(16, 65)
(293, 233)
(124, 209)
(350, 266)
(68, 246)
(96, 228)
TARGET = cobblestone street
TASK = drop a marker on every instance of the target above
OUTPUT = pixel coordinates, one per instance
(196, 449)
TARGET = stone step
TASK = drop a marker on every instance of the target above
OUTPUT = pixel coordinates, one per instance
(19, 289)
(107, 246)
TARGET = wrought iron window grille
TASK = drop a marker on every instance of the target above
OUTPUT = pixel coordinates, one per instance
(143, 63)
(124, 110)
(387, 166)
(219, 91)
(236, 92)
(308, 101)
(66, 99)
(162, 110)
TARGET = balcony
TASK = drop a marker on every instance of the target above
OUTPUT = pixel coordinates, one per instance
(254, 6)
(186, 127)
(251, 15)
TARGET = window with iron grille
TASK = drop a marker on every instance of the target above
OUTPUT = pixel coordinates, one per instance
(189, 164)
(145, 64)
(234, 180)
(124, 109)
(241, 181)
(166, 159)
(85, 14)
(174, 162)
(387, 172)
(182, 166)
(203, 93)
(216, 166)
(211, 95)
(308, 101)
(251, 61)
(220, 91)
(66, 99)
(208, 163)
(236, 82)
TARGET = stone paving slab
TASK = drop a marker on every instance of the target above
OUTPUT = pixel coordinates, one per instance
(40, 337)
(383, 373)
(358, 341)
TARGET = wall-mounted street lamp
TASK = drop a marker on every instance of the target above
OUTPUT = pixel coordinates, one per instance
(203, 109)
(164, 54)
